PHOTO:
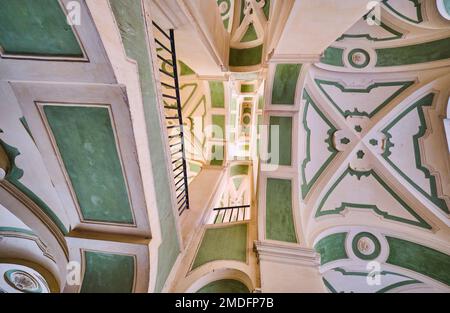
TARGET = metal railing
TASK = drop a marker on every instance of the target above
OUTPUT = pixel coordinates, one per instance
(173, 113)
(231, 214)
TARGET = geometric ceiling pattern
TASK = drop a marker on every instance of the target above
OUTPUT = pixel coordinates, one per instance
(367, 155)
(362, 175)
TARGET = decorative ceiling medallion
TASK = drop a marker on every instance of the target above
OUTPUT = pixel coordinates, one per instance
(366, 246)
(22, 281)
(358, 58)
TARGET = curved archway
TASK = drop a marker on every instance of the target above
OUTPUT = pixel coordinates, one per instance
(223, 280)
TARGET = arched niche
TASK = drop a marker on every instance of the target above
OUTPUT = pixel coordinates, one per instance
(224, 286)
(224, 281)
(26, 263)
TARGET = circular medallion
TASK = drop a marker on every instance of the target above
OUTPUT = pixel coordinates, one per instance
(366, 246)
(22, 281)
(358, 58)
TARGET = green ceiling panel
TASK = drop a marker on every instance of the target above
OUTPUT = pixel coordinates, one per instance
(332, 248)
(246, 57)
(239, 170)
(250, 34)
(285, 83)
(224, 286)
(219, 121)
(247, 88)
(185, 69)
(333, 56)
(87, 145)
(279, 215)
(419, 53)
(418, 258)
(223, 243)
(217, 94)
(108, 273)
(284, 141)
(36, 28)
(218, 155)
(260, 102)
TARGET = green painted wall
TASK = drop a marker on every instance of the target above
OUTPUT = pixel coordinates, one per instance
(218, 155)
(247, 88)
(285, 138)
(131, 24)
(185, 69)
(332, 248)
(285, 83)
(238, 170)
(333, 56)
(224, 286)
(279, 215)
(108, 273)
(37, 28)
(260, 102)
(246, 57)
(419, 53)
(250, 34)
(418, 258)
(224, 243)
(217, 94)
(87, 146)
(219, 121)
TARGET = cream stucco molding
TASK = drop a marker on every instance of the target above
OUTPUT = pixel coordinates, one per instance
(4, 163)
(286, 253)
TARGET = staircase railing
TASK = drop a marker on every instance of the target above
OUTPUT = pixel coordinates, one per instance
(173, 113)
(231, 214)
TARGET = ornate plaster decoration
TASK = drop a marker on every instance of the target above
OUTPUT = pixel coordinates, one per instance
(22, 281)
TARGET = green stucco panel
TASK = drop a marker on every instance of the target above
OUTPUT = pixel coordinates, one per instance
(247, 88)
(217, 92)
(279, 215)
(284, 141)
(219, 122)
(218, 155)
(239, 170)
(418, 258)
(36, 28)
(332, 248)
(129, 18)
(86, 143)
(223, 243)
(285, 83)
(108, 273)
(419, 53)
(250, 34)
(185, 69)
(224, 286)
(333, 56)
(246, 57)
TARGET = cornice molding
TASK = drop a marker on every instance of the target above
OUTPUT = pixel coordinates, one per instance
(286, 254)
(294, 58)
